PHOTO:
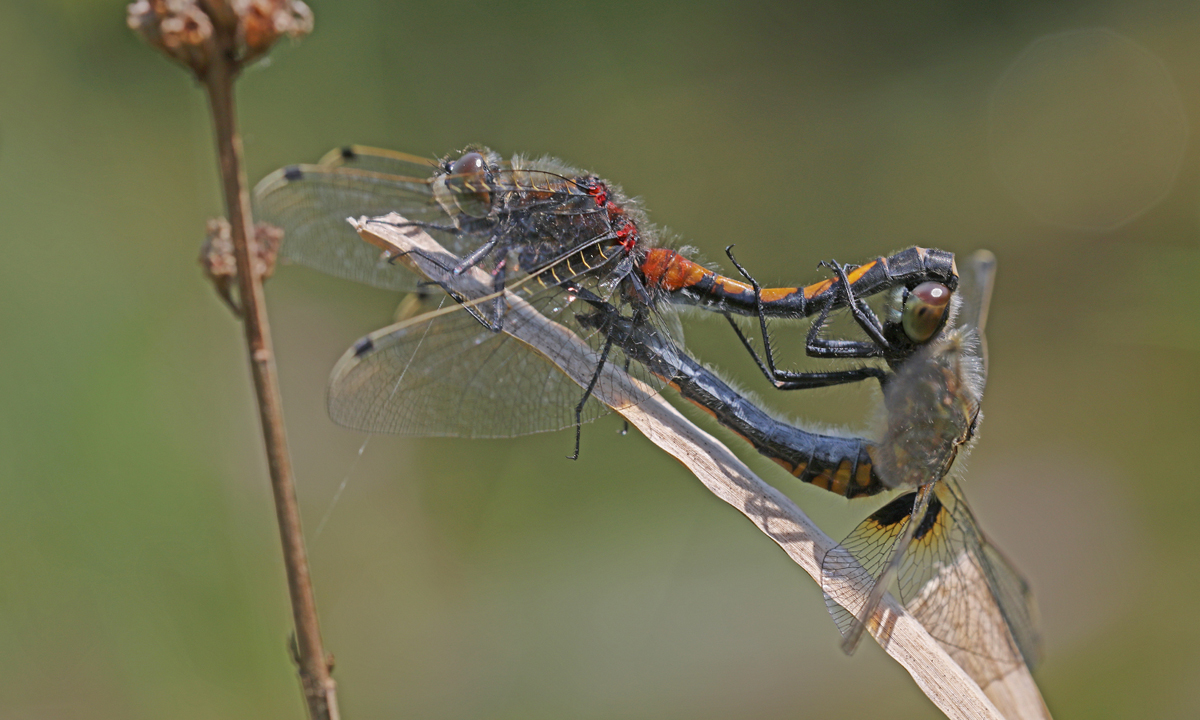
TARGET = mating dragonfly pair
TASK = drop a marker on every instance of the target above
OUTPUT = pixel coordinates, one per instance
(557, 243)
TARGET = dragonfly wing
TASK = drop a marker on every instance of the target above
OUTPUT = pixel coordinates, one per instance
(449, 373)
(850, 570)
(976, 289)
(976, 293)
(950, 579)
(380, 160)
(1013, 595)
(312, 202)
(968, 597)
(1016, 603)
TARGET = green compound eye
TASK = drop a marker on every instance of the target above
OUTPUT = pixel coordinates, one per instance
(924, 310)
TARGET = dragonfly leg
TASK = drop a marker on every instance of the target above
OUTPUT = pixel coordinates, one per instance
(768, 368)
(804, 380)
(498, 277)
(817, 346)
(792, 380)
(474, 257)
(424, 256)
(587, 394)
(422, 225)
(863, 315)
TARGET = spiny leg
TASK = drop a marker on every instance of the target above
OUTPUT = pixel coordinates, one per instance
(787, 379)
(863, 315)
(588, 394)
(476, 256)
(816, 346)
(768, 368)
(624, 421)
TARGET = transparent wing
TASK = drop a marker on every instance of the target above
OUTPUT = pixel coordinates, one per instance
(536, 214)
(976, 290)
(1012, 594)
(449, 373)
(312, 202)
(950, 578)
(883, 546)
(390, 162)
(976, 297)
(849, 571)
(967, 596)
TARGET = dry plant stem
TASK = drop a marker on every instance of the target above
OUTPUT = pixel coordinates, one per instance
(902, 637)
(319, 688)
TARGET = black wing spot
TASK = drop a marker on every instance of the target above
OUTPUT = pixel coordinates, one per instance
(932, 513)
(364, 346)
(348, 153)
(293, 173)
(895, 511)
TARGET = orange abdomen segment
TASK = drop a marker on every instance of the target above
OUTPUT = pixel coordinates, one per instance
(671, 271)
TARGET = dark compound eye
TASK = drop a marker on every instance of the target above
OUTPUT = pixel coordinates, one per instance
(470, 164)
(469, 181)
(925, 310)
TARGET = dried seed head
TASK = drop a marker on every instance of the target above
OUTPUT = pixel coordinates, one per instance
(188, 31)
(220, 265)
(216, 257)
(262, 22)
(178, 28)
(267, 239)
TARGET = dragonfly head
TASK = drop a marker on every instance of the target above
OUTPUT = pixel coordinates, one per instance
(465, 184)
(915, 318)
(926, 308)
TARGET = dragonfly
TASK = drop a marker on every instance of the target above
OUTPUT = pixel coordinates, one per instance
(541, 229)
(949, 576)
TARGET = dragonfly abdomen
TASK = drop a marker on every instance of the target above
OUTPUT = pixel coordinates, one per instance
(841, 465)
(673, 273)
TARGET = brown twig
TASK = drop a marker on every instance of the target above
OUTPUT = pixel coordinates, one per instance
(1014, 696)
(215, 39)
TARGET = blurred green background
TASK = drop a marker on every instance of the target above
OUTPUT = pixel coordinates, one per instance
(140, 574)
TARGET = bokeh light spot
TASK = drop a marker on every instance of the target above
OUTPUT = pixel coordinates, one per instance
(1087, 129)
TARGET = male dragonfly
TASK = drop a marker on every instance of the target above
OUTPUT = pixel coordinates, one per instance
(545, 231)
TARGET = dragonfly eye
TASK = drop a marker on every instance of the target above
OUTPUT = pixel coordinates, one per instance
(470, 164)
(468, 180)
(924, 310)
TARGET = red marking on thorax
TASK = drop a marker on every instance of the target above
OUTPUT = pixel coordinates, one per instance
(626, 230)
(627, 235)
(599, 193)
